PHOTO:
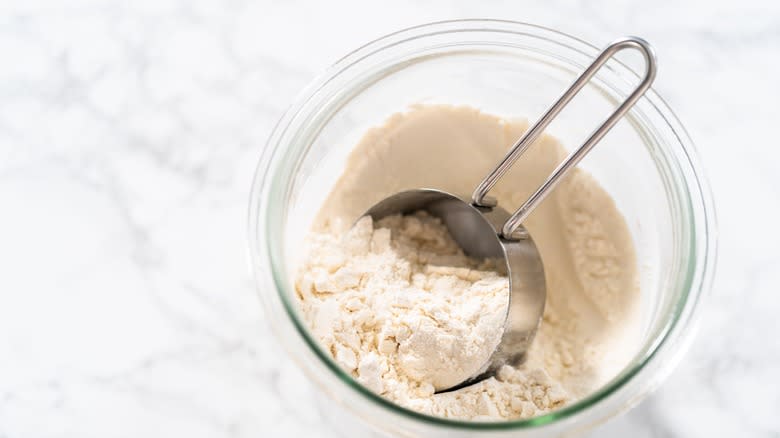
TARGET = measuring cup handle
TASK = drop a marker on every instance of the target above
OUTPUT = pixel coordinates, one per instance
(513, 223)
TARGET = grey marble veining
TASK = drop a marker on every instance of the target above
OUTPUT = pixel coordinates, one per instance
(129, 132)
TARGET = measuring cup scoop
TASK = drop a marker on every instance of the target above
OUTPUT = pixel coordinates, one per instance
(483, 229)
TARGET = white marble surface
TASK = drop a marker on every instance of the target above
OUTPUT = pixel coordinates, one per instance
(128, 136)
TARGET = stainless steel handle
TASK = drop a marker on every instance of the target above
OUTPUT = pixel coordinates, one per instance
(513, 223)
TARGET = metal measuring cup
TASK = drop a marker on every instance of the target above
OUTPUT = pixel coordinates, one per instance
(485, 230)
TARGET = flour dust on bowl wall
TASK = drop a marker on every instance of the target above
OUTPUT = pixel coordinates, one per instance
(385, 314)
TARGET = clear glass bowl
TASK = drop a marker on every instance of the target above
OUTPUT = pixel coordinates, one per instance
(647, 163)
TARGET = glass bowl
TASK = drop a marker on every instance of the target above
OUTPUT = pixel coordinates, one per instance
(647, 163)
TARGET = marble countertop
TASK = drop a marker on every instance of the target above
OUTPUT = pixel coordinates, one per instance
(129, 133)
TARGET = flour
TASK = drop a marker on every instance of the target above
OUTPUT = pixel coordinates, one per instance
(412, 310)
(405, 312)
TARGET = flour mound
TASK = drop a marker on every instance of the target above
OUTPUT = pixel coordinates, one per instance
(402, 309)
(401, 339)
(408, 301)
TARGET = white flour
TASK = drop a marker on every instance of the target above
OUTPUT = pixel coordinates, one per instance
(413, 306)
(405, 312)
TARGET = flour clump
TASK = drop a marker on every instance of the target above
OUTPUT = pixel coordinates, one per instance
(408, 303)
